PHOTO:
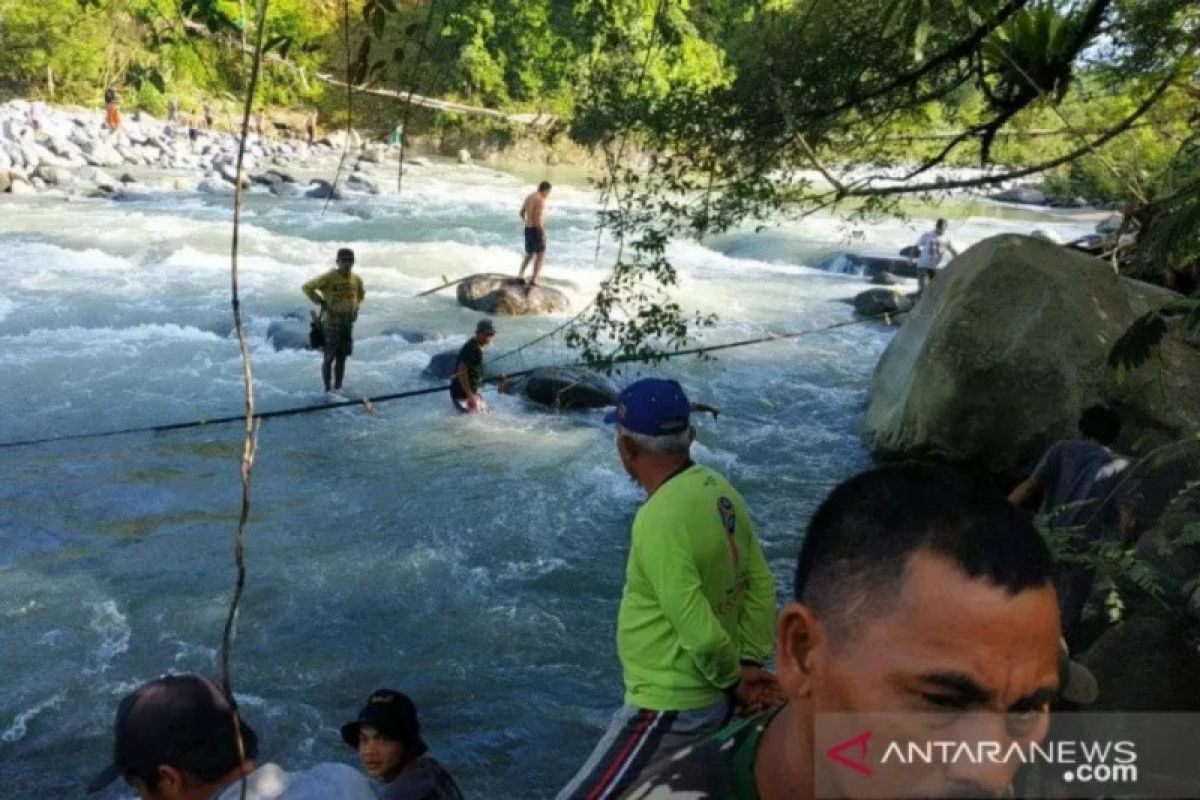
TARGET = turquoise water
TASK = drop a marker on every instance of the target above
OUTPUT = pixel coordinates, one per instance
(475, 563)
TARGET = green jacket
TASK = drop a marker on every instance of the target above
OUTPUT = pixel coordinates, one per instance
(698, 595)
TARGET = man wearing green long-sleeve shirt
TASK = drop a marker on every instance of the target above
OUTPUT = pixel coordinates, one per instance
(697, 617)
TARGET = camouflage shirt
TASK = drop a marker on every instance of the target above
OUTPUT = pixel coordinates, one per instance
(720, 767)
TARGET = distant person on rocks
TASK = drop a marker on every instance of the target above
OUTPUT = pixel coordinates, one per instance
(339, 295)
(917, 590)
(397, 138)
(112, 110)
(175, 740)
(387, 736)
(208, 116)
(468, 370)
(696, 623)
(310, 128)
(173, 110)
(37, 112)
(533, 212)
(931, 249)
(1073, 481)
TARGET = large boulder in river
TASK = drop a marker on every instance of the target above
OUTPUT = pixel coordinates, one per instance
(320, 189)
(289, 333)
(867, 265)
(877, 302)
(565, 388)
(1009, 345)
(504, 294)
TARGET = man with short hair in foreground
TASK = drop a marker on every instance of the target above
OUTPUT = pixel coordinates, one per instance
(697, 617)
(919, 594)
(175, 740)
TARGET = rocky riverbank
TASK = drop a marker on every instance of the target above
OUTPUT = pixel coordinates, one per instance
(69, 152)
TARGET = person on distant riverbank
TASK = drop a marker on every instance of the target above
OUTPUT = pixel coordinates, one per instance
(533, 212)
(1074, 480)
(112, 110)
(920, 594)
(931, 249)
(697, 616)
(468, 370)
(339, 295)
(387, 736)
(310, 128)
(175, 740)
(173, 110)
(37, 113)
(208, 116)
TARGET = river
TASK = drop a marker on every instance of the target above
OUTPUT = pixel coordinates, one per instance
(474, 563)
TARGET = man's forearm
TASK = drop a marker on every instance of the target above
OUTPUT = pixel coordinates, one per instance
(461, 377)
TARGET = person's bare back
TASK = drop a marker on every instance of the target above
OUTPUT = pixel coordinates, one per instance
(532, 210)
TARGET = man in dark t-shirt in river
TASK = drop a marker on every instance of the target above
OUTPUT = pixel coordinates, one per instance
(468, 370)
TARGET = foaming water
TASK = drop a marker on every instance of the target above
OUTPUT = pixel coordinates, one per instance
(475, 563)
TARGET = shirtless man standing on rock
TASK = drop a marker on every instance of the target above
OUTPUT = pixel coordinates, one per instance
(532, 212)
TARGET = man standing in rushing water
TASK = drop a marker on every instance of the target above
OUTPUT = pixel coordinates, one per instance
(468, 370)
(697, 617)
(533, 212)
(339, 294)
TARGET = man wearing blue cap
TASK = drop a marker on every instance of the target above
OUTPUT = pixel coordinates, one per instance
(697, 616)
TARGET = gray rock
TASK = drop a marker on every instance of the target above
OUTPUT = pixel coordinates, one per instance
(128, 179)
(866, 265)
(1026, 195)
(1047, 235)
(509, 296)
(215, 186)
(989, 369)
(442, 365)
(876, 302)
(362, 183)
(885, 279)
(285, 189)
(38, 184)
(49, 174)
(417, 162)
(464, 156)
(98, 178)
(565, 388)
(1109, 225)
(21, 187)
(321, 189)
(288, 334)
(229, 173)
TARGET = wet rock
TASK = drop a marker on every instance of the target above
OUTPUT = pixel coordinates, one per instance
(98, 178)
(288, 334)
(321, 189)
(509, 296)
(866, 265)
(885, 279)
(359, 182)
(565, 388)
(1025, 195)
(1110, 225)
(876, 302)
(285, 190)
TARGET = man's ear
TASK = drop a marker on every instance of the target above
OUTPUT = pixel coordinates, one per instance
(172, 782)
(801, 646)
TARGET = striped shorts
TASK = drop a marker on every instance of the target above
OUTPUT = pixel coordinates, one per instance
(637, 738)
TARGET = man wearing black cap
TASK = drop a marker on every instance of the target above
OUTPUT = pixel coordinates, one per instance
(175, 740)
(697, 617)
(387, 736)
(339, 294)
(468, 371)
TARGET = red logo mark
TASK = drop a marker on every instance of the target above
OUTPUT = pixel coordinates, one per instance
(859, 743)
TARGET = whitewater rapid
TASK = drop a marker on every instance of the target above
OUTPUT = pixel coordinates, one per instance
(475, 563)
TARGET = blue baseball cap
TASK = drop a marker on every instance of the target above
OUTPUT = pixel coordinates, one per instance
(652, 407)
